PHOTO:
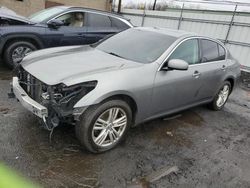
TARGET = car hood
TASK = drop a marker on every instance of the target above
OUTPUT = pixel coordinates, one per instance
(63, 64)
(17, 17)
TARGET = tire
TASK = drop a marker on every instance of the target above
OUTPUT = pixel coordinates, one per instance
(214, 104)
(10, 50)
(90, 118)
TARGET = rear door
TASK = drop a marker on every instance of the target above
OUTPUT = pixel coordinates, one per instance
(99, 26)
(213, 67)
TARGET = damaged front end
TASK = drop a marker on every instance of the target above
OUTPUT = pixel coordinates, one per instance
(58, 99)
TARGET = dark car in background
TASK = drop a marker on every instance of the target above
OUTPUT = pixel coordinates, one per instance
(57, 26)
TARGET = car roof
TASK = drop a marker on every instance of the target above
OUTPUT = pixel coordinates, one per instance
(92, 10)
(169, 32)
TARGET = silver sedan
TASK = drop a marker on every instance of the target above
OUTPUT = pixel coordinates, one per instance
(132, 77)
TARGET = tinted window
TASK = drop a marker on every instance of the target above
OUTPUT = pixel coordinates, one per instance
(98, 20)
(118, 23)
(137, 45)
(74, 19)
(210, 51)
(222, 52)
(187, 51)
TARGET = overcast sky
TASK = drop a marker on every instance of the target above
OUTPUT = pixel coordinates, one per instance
(243, 5)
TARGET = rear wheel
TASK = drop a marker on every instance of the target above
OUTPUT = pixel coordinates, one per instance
(221, 97)
(104, 126)
(16, 51)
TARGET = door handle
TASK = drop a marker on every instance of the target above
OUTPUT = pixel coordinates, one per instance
(196, 74)
(223, 67)
(80, 34)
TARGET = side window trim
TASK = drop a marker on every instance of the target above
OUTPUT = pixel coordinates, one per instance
(200, 51)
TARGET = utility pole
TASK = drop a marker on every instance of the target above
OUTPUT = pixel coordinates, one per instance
(119, 6)
(154, 5)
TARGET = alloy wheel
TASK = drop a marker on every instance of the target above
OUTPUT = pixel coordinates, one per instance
(19, 53)
(109, 127)
(222, 96)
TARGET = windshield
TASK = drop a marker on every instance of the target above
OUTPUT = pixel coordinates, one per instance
(137, 45)
(45, 14)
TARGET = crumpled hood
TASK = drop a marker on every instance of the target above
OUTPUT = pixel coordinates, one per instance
(15, 17)
(58, 65)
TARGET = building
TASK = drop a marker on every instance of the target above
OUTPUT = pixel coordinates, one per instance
(28, 7)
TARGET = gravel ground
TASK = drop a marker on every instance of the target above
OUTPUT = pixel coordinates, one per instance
(209, 149)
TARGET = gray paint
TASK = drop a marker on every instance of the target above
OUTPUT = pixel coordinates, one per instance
(156, 92)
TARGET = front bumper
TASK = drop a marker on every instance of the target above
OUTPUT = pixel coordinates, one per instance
(28, 102)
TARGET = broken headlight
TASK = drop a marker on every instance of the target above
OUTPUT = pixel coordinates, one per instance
(64, 94)
(69, 95)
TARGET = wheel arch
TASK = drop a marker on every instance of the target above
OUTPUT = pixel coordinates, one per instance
(122, 95)
(128, 99)
(231, 80)
(35, 40)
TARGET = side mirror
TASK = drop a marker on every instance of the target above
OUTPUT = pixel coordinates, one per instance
(176, 64)
(55, 24)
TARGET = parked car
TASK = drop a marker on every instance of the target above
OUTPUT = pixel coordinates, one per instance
(58, 26)
(132, 77)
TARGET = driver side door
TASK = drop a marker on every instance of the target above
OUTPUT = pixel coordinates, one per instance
(176, 89)
(73, 32)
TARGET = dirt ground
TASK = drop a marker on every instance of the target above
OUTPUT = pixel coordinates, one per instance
(209, 149)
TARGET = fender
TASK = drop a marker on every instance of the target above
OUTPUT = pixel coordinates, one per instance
(6, 38)
(95, 99)
(234, 79)
(227, 77)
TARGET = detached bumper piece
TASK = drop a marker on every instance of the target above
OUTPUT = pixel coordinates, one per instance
(28, 102)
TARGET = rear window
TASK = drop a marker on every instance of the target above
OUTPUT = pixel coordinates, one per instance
(211, 51)
(222, 52)
(98, 20)
(118, 23)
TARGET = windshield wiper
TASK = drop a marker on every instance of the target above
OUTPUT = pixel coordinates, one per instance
(114, 54)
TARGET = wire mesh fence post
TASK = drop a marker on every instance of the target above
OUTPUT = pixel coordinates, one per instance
(231, 24)
(119, 6)
(179, 23)
(154, 5)
(143, 15)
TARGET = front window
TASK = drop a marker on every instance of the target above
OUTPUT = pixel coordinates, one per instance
(187, 51)
(73, 19)
(137, 45)
(45, 14)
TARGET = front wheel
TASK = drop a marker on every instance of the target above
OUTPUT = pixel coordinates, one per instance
(104, 126)
(221, 97)
(16, 51)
